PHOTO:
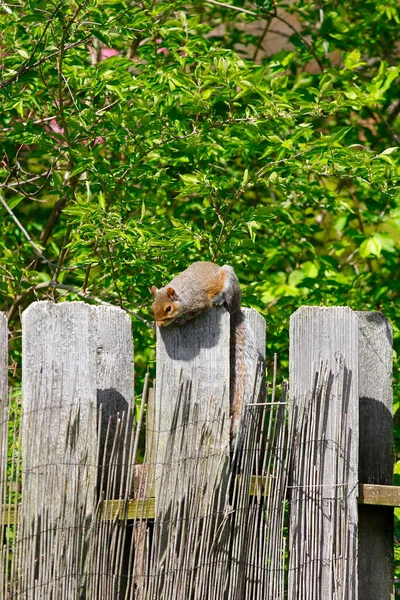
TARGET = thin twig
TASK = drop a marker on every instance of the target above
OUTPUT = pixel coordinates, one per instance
(28, 67)
(262, 37)
(231, 6)
(303, 40)
(22, 228)
(38, 251)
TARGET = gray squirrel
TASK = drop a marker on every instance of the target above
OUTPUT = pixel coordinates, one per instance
(194, 291)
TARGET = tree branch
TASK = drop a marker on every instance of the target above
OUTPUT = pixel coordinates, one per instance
(27, 67)
(231, 6)
(303, 40)
(36, 248)
(262, 38)
(22, 228)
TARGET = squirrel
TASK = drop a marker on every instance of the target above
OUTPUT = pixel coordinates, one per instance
(194, 291)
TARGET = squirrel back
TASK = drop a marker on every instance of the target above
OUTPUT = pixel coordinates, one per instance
(197, 289)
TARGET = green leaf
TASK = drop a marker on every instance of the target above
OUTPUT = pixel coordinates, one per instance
(23, 53)
(252, 226)
(370, 247)
(310, 269)
(295, 277)
(143, 211)
(340, 133)
(102, 36)
(352, 60)
(389, 150)
(189, 179)
(14, 201)
(274, 138)
(101, 200)
(19, 107)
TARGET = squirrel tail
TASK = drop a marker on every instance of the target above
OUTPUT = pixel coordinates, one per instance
(246, 370)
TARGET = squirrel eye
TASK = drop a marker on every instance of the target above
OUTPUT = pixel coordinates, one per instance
(168, 309)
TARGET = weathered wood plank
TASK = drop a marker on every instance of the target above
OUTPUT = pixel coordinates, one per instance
(199, 352)
(256, 323)
(3, 446)
(3, 358)
(193, 442)
(76, 359)
(151, 441)
(375, 550)
(196, 355)
(3, 401)
(323, 387)
(247, 452)
(379, 495)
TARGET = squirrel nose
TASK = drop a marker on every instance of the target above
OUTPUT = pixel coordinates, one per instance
(160, 323)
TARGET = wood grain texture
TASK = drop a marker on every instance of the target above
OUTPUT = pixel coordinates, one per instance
(3, 358)
(323, 387)
(192, 386)
(76, 358)
(256, 323)
(245, 440)
(4, 416)
(376, 455)
(192, 413)
(379, 495)
(199, 353)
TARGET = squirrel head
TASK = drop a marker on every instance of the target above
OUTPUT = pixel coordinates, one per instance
(166, 306)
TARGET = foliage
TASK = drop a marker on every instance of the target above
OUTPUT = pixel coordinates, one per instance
(137, 138)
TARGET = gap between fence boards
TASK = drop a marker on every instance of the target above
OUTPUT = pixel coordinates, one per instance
(143, 508)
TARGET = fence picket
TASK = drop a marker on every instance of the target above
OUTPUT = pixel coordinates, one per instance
(323, 387)
(77, 369)
(3, 435)
(375, 547)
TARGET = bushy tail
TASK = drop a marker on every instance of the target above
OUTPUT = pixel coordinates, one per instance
(246, 369)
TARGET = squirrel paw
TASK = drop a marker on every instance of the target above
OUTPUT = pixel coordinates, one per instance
(219, 300)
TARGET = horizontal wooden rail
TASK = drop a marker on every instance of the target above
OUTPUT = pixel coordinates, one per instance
(111, 510)
(376, 495)
(379, 495)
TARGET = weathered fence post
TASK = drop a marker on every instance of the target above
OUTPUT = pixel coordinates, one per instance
(3, 358)
(3, 391)
(76, 372)
(192, 443)
(324, 395)
(193, 454)
(192, 383)
(375, 547)
(199, 354)
(256, 323)
(243, 573)
(3, 420)
(341, 411)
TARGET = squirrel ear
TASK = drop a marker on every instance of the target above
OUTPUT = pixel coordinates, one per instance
(171, 293)
(153, 290)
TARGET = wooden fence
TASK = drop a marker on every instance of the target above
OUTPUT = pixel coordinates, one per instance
(299, 507)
